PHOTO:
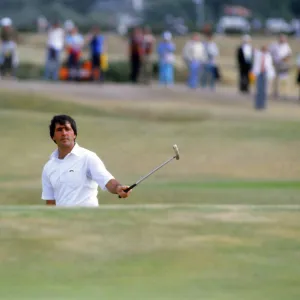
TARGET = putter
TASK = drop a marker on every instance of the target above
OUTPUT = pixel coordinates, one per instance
(175, 148)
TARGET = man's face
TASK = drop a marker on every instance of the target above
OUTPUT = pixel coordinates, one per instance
(64, 135)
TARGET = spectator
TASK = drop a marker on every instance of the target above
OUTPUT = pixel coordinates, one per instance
(194, 56)
(245, 55)
(55, 45)
(8, 54)
(281, 53)
(148, 45)
(263, 70)
(166, 59)
(97, 47)
(74, 44)
(209, 70)
(136, 54)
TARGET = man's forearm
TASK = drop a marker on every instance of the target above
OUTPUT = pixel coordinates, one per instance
(112, 186)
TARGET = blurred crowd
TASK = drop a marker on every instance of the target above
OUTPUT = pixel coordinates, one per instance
(199, 57)
(61, 40)
(269, 66)
(266, 66)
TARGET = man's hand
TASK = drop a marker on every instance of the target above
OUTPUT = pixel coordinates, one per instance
(50, 202)
(121, 191)
(116, 188)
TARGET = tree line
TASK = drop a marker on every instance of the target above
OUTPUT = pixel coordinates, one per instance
(25, 12)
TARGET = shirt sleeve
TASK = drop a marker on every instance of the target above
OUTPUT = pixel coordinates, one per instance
(98, 171)
(47, 188)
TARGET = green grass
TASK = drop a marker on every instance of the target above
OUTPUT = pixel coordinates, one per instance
(220, 154)
(33, 102)
(222, 223)
(178, 253)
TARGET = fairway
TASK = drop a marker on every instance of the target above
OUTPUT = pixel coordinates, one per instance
(151, 253)
(222, 223)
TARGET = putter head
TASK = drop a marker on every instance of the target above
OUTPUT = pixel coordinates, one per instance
(175, 148)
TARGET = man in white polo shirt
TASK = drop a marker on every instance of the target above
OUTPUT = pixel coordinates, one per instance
(72, 175)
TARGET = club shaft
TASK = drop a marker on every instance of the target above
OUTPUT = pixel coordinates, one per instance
(146, 176)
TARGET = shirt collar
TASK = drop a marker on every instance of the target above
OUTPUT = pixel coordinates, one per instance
(76, 151)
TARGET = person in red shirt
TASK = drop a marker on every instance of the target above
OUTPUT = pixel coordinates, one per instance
(136, 53)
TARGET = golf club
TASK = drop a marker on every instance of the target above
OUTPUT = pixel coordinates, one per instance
(175, 148)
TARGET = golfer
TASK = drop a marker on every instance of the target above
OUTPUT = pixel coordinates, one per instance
(72, 174)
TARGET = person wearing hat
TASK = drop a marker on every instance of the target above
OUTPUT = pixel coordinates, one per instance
(8, 52)
(166, 59)
(244, 60)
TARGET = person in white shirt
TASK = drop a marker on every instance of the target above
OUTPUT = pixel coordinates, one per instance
(281, 53)
(72, 175)
(264, 72)
(194, 56)
(55, 46)
(244, 56)
(209, 70)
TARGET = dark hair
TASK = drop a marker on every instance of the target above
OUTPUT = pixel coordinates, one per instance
(61, 120)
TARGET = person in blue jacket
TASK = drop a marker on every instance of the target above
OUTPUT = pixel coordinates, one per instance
(96, 40)
(166, 59)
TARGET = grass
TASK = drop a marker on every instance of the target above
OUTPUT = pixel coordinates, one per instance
(262, 149)
(222, 223)
(178, 253)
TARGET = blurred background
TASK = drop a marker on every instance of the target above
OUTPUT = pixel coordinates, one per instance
(180, 16)
(228, 21)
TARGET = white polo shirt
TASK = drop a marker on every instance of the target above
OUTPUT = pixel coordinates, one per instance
(74, 180)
